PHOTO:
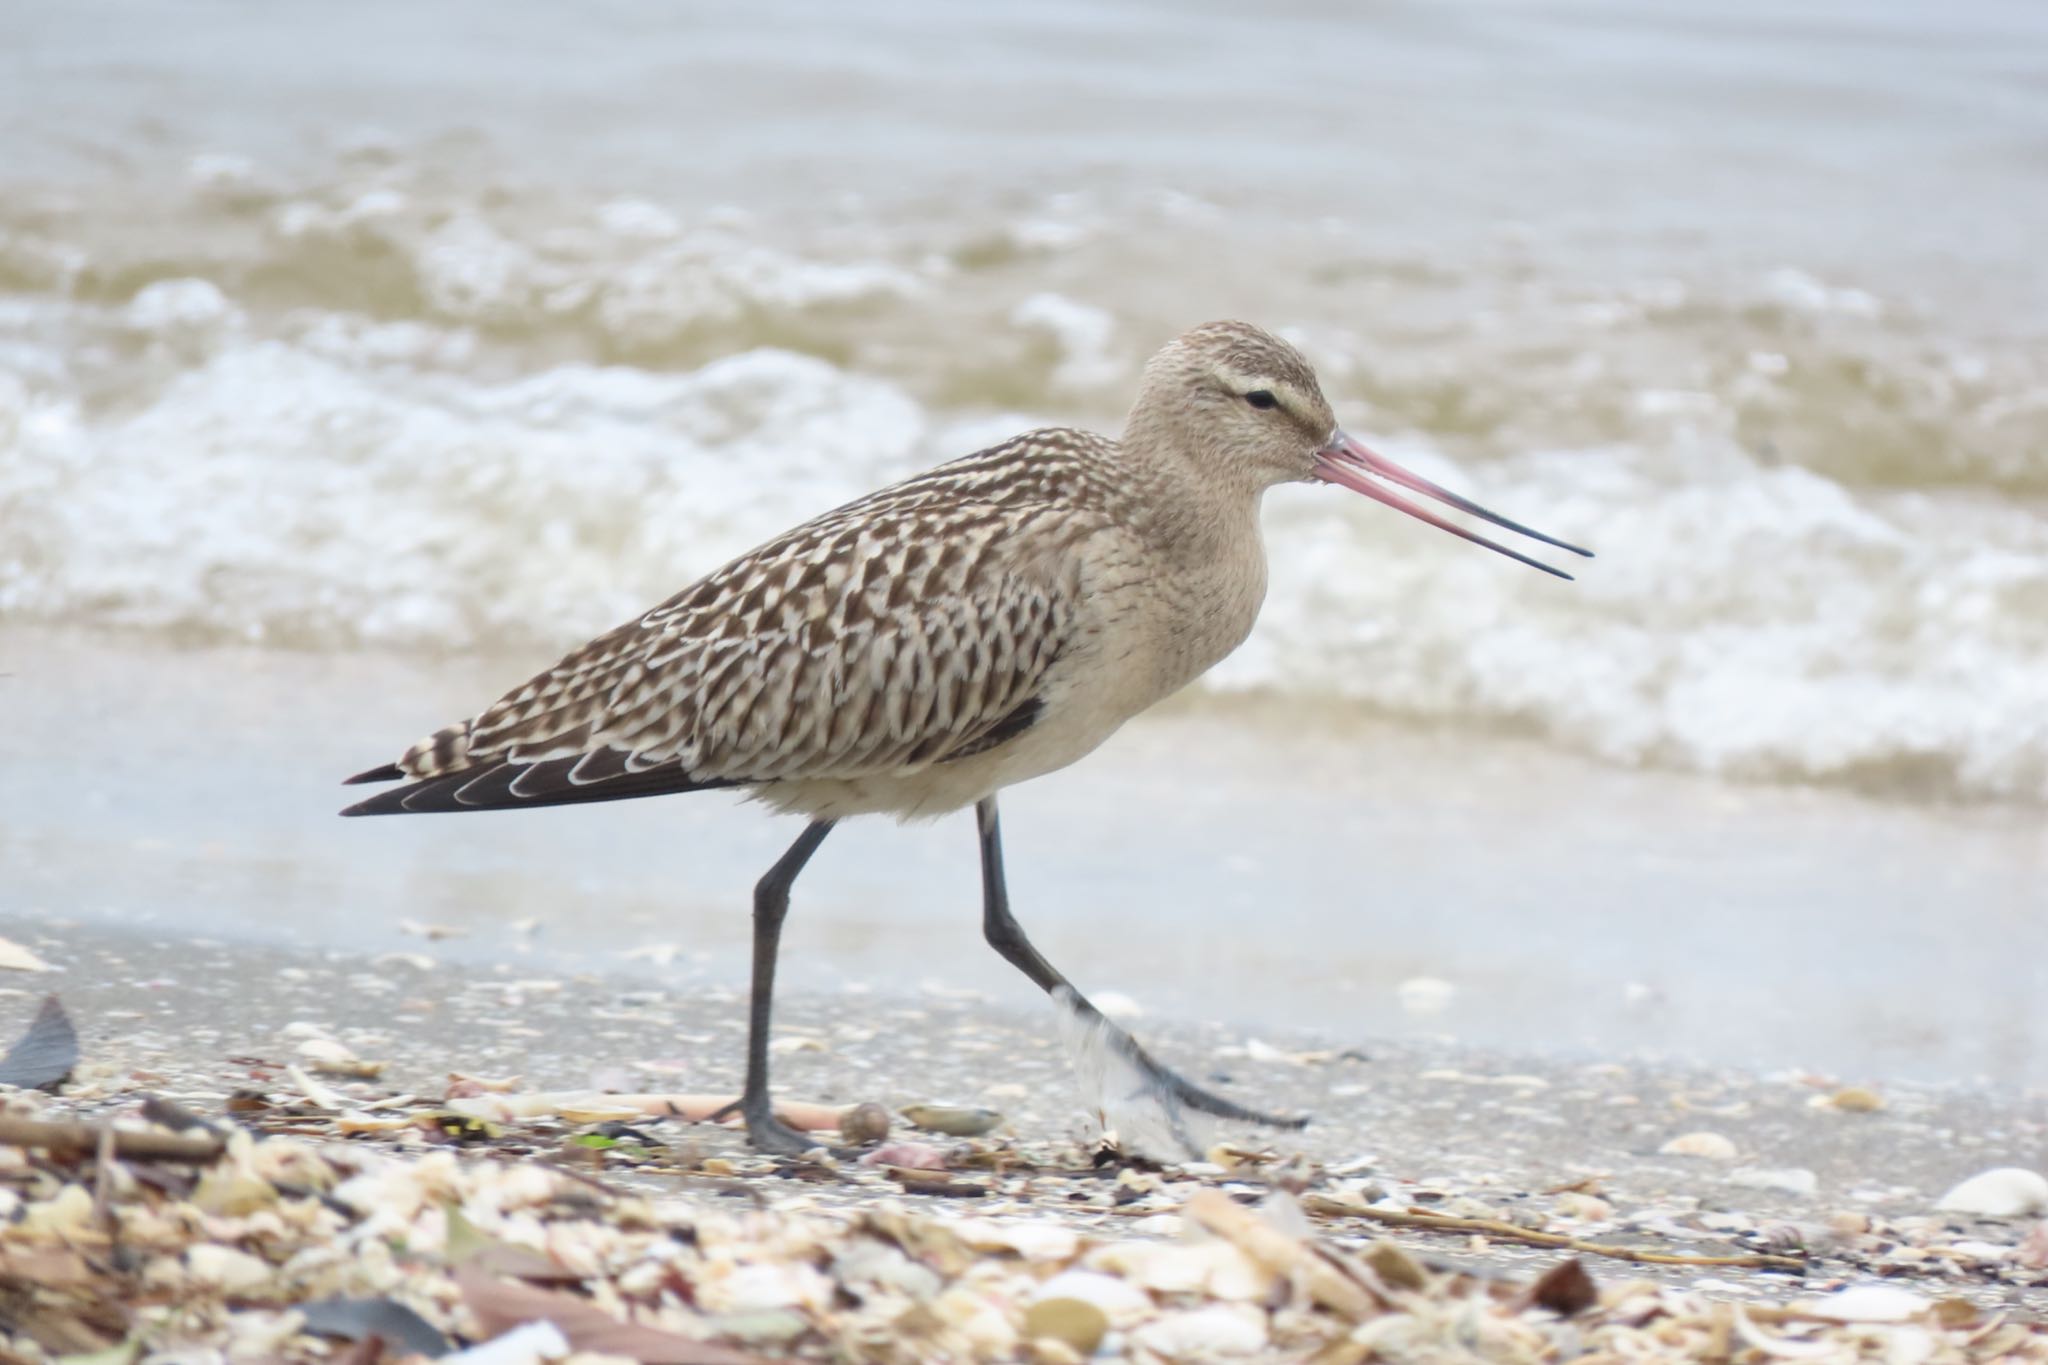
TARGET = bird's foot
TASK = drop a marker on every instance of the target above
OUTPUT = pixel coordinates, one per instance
(1194, 1096)
(765, 1132)
(1161, 1082)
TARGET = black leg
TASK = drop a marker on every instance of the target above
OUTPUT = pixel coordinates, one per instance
(771, 904)
(1006, 936)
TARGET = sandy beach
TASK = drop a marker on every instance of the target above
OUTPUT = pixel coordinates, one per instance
(1435, 1121)
(1792, 1192)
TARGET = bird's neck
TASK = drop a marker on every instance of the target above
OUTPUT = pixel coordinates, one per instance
(1187, 503)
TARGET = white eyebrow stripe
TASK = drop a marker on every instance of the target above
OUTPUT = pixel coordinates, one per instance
(1288, 396)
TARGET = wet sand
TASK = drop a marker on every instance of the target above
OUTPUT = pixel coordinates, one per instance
(1444, 1125)
(1266, 866)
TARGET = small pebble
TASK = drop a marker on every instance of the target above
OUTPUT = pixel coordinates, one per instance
(954, 1120)
(1712, 1146)
(864, 1123)
(1073, 1322)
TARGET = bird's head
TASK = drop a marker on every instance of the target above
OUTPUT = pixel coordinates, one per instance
(1247, 405)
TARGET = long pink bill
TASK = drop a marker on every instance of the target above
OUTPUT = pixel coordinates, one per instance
(1347, 462)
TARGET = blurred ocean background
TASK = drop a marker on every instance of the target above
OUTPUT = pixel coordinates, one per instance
(355, 360)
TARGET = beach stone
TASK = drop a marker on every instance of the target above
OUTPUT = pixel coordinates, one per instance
(1072, 1322)
(1856, 1099)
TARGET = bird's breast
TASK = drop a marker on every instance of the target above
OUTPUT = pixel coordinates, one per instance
(1153, 624)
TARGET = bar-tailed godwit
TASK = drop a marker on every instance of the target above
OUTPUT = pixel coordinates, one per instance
(914, 652)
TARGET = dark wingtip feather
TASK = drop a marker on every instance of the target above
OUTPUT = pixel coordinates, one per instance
(390, 772)
(383, 803)
(516, 786)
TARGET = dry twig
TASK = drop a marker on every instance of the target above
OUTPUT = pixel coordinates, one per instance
(1493, 1227)
(70, 1137)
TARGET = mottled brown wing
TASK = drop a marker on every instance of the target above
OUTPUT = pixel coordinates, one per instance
(890, 635)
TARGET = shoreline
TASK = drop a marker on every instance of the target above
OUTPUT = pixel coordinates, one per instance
(1223, 864)
(1452, 1126)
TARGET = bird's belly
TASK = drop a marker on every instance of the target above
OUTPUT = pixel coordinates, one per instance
(1070, 727)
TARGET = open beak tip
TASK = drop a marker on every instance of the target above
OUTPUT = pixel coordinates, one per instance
(1346, 461)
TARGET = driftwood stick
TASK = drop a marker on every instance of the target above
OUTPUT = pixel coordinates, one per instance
(71, 1137)
(1490, 1227)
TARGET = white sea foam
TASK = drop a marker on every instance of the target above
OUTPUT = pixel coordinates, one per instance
(1743, 619)
(369, 411)
(273, 493)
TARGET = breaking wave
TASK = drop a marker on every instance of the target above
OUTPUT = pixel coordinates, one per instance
(364, 414)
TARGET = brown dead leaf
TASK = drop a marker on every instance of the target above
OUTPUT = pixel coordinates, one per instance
(1565, 1289)
(501, 1305)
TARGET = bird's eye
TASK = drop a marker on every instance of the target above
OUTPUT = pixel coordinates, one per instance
(1262, 398)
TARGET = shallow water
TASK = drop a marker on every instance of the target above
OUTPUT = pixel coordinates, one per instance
(1280, 869)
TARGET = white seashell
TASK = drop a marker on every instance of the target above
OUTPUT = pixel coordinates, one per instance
(65, 1216)
(313, 1090)
(2002, 1192)
(982, 1322)
(1032, 1241)
(1790, 1179)
(1587, 1208)
(1984, 1253)
(1121, 1302)
(1221, 1329)
(370, 1123)
(16, 958)
(525, 1345)
(1425, 994)
(226, 1269)
(1868, 1303)
(491, 1107)
(1712, 1146)
(758, 1288)
(326, 1050)
(1779, 1348)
